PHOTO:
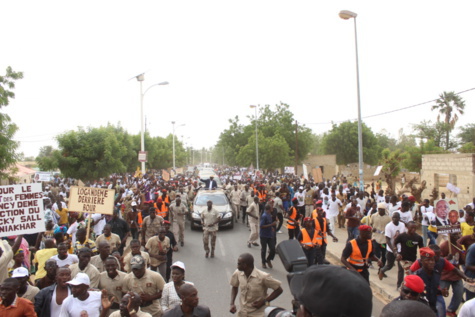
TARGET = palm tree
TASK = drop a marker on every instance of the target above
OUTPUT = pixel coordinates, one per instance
(449, 105)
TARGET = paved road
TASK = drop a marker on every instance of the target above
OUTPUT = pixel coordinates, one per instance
(211, 276)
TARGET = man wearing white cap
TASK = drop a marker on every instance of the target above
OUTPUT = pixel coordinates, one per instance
(81, 302)
(26, 290)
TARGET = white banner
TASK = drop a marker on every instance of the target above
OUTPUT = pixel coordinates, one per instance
(43, 177)
(91, 200)
(378, 170)
(21, 209)
(289, 170)
(305, 172)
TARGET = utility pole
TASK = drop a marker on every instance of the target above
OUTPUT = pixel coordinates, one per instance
(296, 147)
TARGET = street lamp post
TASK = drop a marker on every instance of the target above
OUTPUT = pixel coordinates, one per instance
(173, 122)
(141, 78)
(345, 15)
(257, 140)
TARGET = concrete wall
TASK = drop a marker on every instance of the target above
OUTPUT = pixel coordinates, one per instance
(458, 169)
(328, 162)
(351, 171)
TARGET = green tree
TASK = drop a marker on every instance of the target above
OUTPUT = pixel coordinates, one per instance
(342, 140)
(391, 162)
(273, 152)
(233, 139)
(385, 141)
(467, 134)
(316, 144)
(426, 130)
(449, 105)
(91, 154)
(8, 146)
(413, 161)
(46, 159)
(279, 120)
(467, 148)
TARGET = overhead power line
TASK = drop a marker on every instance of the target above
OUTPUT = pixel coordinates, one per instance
(391, 111)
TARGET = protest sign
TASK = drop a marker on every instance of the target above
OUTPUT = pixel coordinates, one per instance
(43, 177)
(449, 229)
(378, 170)
(289, 170)
(305, 172)
(91, 200)
(21, 209)
(317, 174)
(165, 175)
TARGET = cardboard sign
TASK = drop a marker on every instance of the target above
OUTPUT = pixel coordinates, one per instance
(21, 209)
(317, 174)
(165, 175)
(91, 200)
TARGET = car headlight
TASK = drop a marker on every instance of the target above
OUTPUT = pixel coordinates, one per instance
(196, 215)
(227, 215)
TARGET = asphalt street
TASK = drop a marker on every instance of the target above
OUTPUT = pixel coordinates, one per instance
(211, 275)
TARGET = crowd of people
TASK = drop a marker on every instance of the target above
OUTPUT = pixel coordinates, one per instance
(123, 264)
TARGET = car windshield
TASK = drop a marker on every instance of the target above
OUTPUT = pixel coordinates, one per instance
(202, 200)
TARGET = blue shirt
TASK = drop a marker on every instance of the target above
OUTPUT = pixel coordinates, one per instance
(470, 260)
(268, 232)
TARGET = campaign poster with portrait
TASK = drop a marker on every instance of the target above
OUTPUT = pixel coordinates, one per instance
(447, 215)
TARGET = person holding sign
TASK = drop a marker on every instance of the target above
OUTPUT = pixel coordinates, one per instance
(6, 255)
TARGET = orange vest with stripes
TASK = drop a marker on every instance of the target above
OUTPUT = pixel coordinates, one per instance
(323, 230)
(306, 238)
(356, 258)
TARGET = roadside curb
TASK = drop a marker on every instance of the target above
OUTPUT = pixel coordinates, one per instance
(377, 289)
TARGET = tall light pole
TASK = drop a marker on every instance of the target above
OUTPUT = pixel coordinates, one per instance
(257, 140)
(173, 122)
(141, 78)
(345, 15)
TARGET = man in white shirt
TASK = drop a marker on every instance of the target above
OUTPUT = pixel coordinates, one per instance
(63, 258)
(405, 213)
(332, 209)
(81, 302)
(361, 200)
(425, 208)
(301, 201)
(392, 230)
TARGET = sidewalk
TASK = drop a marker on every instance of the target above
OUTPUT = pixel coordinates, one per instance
(385, 289)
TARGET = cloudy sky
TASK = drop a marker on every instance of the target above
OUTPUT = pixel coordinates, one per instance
(222, 56)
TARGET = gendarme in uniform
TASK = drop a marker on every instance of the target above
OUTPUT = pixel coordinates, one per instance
(150, 283)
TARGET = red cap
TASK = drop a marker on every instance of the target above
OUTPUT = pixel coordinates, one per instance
(159, 199)
(415, 283)
(166, 222)
(164, 190)
(426, 252)
(307, 219)
(365, 228)
(411, 198)
(319, 202)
